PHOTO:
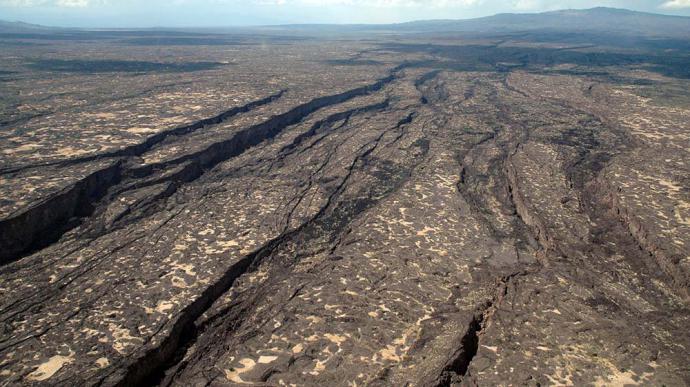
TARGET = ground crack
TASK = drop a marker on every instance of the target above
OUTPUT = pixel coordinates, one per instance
(457, 368)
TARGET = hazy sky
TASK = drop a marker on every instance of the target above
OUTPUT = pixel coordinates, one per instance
(147, 13)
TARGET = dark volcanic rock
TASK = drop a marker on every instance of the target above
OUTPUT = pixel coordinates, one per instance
(350, 213)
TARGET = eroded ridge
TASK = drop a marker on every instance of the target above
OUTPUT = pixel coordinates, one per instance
(385, 214)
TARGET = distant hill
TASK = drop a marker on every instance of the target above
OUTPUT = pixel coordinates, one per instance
(17, 26)
(600, 19)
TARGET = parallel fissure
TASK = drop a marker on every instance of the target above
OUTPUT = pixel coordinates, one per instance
(26, 232)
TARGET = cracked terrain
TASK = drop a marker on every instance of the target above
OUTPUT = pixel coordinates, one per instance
(416, 211)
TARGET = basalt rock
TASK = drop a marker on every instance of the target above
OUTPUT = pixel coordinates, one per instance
(351, 213)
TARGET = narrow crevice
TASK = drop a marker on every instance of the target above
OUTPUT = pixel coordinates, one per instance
(42, 225)
(319, 126)
(419, 82)
(599, 199)
(457, 368)
(152, 366)
(426, 78)
(291, 245)
(603, 202)
(475, 183)
(226, 149)
(219, 152)
(463, 356)
(150, 142)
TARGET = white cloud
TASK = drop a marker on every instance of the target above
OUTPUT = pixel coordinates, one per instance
(518, 5)
(527, 4)
(18, 3)
(363, 3)
(676, 4)
(55, 3)
(72, 3)
(374, 3)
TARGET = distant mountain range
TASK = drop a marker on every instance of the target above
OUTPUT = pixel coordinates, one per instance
(590, 20)
(593, 21)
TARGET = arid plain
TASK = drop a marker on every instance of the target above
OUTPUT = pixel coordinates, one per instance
(365, 208)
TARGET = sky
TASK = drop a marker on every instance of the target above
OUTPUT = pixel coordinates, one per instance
(217, 13)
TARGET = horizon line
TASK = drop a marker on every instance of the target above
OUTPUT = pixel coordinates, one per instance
(338, 24)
